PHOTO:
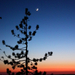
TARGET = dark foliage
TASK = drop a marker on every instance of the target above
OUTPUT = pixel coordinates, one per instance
(0, 17)
(24, 64)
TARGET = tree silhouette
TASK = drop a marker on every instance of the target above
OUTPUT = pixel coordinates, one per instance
(21, 60)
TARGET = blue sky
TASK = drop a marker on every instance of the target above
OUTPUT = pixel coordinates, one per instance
(56, 19)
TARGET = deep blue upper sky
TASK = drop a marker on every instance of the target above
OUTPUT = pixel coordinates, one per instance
(56, 19)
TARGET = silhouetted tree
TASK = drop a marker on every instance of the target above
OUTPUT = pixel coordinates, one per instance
(18, 60)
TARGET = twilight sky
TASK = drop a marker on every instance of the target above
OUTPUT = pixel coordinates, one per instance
(56, 19)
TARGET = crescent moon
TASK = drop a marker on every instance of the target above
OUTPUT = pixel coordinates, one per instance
(37, 9)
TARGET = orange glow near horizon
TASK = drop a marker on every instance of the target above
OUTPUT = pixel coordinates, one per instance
(57, 66)
(45, 67)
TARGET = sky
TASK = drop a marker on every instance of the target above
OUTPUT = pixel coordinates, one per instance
(56, 33)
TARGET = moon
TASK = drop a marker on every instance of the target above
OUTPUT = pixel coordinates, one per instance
(37, 9)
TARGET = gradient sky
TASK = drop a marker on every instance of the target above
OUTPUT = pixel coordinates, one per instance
(56, 19)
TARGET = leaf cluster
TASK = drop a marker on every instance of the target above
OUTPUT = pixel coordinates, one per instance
(0, 17)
